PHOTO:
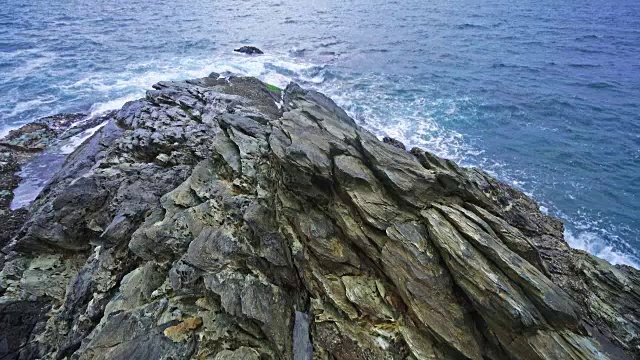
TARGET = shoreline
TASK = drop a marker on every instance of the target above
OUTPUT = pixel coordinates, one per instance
(611, 254)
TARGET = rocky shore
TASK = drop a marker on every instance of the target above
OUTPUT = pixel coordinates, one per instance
(224, 218)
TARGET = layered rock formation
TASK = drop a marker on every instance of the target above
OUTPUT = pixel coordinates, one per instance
(221, 218)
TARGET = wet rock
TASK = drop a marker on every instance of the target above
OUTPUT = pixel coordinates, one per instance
(36, 136)
(302, 348)
(219, 218)
(17, 148)
(249, 50)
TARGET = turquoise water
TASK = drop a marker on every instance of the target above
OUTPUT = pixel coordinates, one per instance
(545, 95)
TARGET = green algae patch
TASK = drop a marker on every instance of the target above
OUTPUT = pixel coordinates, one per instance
(273, 88)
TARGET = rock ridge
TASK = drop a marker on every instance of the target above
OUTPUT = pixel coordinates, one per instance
(224, 218)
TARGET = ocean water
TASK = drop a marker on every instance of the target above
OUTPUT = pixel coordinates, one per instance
(544, 95)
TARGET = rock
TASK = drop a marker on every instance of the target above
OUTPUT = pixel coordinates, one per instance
(393, 142)
(219, 218)
(180, 332)
(249, 50)
(242, 353)
(135, 335)
(18, 321)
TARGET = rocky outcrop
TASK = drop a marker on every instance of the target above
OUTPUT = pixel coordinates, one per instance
(222, 218)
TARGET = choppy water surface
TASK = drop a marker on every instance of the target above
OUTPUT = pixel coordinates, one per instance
(545, 95)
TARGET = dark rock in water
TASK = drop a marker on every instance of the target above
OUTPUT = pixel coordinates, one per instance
(216, 218)
(393, 142)
(249, 50)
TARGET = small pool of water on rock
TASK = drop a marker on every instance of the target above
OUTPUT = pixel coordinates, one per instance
(37, 173)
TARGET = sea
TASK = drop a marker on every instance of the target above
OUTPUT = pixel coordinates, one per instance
(544, 95)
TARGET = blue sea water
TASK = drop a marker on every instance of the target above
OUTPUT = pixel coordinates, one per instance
(543, 94)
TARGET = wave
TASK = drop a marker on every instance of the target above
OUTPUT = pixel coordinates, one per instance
(34, 62)
(601, 85)
(25, 106)
(592, 243)
(588, 37)
(470, 26)
(115, 104)
(584, 65)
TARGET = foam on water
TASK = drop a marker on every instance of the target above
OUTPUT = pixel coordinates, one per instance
(4, 130)
(409, 120)
(38, 60)
(131, 84)
(100, 108)
(593, 243)
(24, 106)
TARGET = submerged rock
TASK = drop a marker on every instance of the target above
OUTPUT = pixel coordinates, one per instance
(249, 50)
(220, 218)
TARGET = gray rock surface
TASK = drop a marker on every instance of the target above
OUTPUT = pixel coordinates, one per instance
(222, 218)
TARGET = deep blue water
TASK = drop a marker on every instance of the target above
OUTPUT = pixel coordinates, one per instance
(543, 94)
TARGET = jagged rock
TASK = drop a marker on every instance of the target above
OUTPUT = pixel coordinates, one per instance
(394, 142)
(18, 321)
(219, 218)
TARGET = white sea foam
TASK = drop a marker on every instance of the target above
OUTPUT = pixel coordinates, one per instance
(100, 108)
(33, 63)
(24, 106)
(409, 122)
(20, 108)
(594, 244)
(70, 145)
(132, 83)
(4, 131)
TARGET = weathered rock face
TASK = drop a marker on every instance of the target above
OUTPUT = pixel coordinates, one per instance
(224, 219)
